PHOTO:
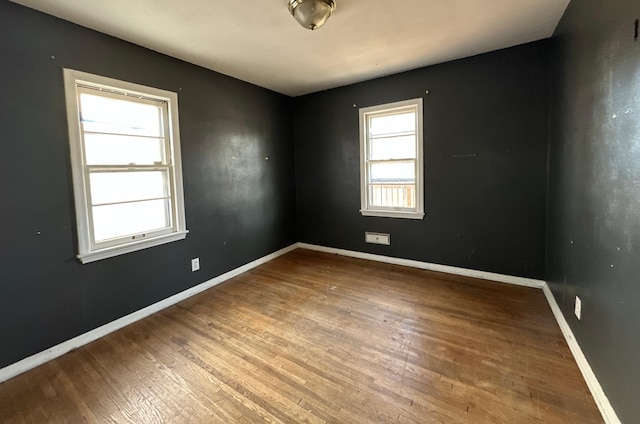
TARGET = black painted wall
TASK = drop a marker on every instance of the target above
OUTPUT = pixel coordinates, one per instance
(239, 205)
(486, 133)
(485, 144)
(594, 191)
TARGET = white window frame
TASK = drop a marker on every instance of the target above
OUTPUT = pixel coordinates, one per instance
(88, 249)
(366, 208)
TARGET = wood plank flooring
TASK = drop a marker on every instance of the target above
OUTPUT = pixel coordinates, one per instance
(317, 338)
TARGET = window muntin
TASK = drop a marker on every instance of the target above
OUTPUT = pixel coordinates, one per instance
(125, 149)
(391, 160)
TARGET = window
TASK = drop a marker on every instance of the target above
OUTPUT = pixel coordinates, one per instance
(391, 160)
(125, 159)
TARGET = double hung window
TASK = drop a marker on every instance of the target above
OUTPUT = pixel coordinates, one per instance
(125, 157)
(391, 160)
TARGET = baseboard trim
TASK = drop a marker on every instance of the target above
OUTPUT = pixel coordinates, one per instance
(509, 279)
(56, 351)
(606, 410)
(608, 413)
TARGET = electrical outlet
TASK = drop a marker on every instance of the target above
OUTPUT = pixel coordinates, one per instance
(195, 264)
(578, 308)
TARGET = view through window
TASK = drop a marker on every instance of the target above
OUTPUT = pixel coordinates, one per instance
(391, 159)
(125, 159)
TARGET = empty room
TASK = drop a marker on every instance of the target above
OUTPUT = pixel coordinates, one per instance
(320, 211)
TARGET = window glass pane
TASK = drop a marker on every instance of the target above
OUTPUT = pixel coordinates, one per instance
(106, 149)
(107, 115)
(393, 148)
(392, 172)
(112, 187)
(392, 195)
(129, 219)
(390, 124)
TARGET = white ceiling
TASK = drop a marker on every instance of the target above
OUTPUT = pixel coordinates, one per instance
(259, 41)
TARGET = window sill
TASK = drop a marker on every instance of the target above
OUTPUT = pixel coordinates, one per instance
(110, 252)
(393, 214)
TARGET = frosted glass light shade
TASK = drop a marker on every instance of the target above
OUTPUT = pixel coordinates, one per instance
(311, 14)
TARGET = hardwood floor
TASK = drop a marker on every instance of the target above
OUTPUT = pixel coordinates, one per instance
(318, 338)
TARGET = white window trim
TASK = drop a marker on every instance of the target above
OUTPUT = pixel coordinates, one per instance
(87, 252)
(365, 208)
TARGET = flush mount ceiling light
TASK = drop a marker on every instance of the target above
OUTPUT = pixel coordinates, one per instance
(311, 14)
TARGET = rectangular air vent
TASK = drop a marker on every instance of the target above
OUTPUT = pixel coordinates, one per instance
(377, 238)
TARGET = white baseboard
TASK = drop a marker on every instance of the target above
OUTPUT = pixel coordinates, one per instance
(608, 413)
(47, 355)
(520, 281)
(598, 394)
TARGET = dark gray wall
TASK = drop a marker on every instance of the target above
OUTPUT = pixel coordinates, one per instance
(485, 144)
(237, 210)
(485, 178)
(594, 191)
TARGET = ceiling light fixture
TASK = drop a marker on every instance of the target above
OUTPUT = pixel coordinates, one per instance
(311, 14)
